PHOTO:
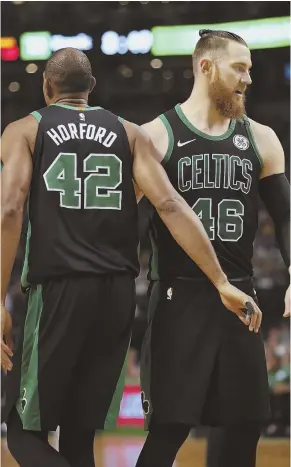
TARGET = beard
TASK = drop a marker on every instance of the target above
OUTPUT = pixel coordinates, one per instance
(225, 100)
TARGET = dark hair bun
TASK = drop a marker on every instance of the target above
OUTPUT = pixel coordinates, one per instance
(204, 32)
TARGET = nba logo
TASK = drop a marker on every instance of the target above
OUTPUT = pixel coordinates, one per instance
(169, 293)
(82, 117)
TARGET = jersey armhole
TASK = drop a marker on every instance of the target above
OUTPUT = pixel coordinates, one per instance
(170, 139)
(121, 120)
(36, 115)
(252, 140)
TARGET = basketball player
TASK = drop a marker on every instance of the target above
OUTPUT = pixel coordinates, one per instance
(76, 164)
(199, 364)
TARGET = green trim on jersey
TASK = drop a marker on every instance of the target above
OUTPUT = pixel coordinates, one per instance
(36, 115)
(72, 107)
(154, 262)
(171, 139)
(252, 140)
(121, 119)
(28, 402)
(200, 133)
(24, 282)
(138, 249)
(114, 409)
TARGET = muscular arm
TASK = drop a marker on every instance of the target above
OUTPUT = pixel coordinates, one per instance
(274, 187)
(180, 219)
(15, 178)
(157, 132)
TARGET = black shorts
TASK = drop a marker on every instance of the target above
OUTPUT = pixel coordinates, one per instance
(76, 336)
(200, 364)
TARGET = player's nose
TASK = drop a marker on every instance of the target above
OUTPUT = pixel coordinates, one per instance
(247, 80)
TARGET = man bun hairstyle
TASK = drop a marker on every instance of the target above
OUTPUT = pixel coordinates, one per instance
(211, 41)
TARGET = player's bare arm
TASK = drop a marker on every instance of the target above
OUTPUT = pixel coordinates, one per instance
(159, 136)
(180, 219)
(269, 148)
(275, 190)
(16, 150)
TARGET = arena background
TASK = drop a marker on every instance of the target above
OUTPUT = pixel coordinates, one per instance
(141, 57)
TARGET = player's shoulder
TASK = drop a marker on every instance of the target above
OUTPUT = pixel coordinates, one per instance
(153, 127)
(22, 126)
(157, 131)
(263, 134)
(269, 147)
(132, 131)
(108, 113)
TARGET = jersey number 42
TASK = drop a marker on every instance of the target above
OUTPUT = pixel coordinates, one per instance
(99, 188)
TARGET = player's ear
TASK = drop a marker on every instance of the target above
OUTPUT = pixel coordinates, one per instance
(93, 83)
(206, 66)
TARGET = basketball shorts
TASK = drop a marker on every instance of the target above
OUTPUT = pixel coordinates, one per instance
(76, 336)
(200, 364)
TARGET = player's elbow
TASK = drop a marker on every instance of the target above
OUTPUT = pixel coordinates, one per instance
(170, 205)
(11, 209)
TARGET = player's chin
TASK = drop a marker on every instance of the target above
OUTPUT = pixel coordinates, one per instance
(237, 108)
(231, 106)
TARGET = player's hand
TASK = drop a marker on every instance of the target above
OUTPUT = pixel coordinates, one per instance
(287, 311)
(239, 303)
(6, 339)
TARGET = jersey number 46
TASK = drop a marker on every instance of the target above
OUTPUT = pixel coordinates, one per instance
(229, 224)
(99, 188)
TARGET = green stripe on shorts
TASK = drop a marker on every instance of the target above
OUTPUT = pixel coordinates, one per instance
(113, 411)
(146, 357)
(28, 402)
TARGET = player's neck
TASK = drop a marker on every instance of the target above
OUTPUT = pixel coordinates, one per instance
(78, 101)
(200, 111)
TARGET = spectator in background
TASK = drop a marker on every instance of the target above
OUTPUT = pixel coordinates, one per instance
(278, 364)
(270, 273)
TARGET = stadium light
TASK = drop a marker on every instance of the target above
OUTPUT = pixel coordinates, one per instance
(259, 34)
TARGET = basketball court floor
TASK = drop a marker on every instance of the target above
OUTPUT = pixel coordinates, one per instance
(122, 451)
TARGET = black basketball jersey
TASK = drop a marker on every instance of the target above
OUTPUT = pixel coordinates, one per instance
(218, 177)
(82, 206)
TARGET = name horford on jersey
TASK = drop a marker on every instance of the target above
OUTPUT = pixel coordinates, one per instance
(81, 131)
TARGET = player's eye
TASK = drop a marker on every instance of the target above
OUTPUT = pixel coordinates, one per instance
(241, 68)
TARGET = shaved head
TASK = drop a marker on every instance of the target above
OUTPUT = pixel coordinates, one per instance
(69, 71)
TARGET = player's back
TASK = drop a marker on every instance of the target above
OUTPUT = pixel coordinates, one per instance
(218, 177)
(82, 206)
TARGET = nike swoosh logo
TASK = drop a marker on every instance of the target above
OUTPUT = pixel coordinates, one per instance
(186, 142)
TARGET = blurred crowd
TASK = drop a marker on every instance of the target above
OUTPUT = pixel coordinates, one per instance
(277, 348)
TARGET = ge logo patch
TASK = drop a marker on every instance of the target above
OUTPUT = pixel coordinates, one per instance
(145, 404)
(241, 142)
